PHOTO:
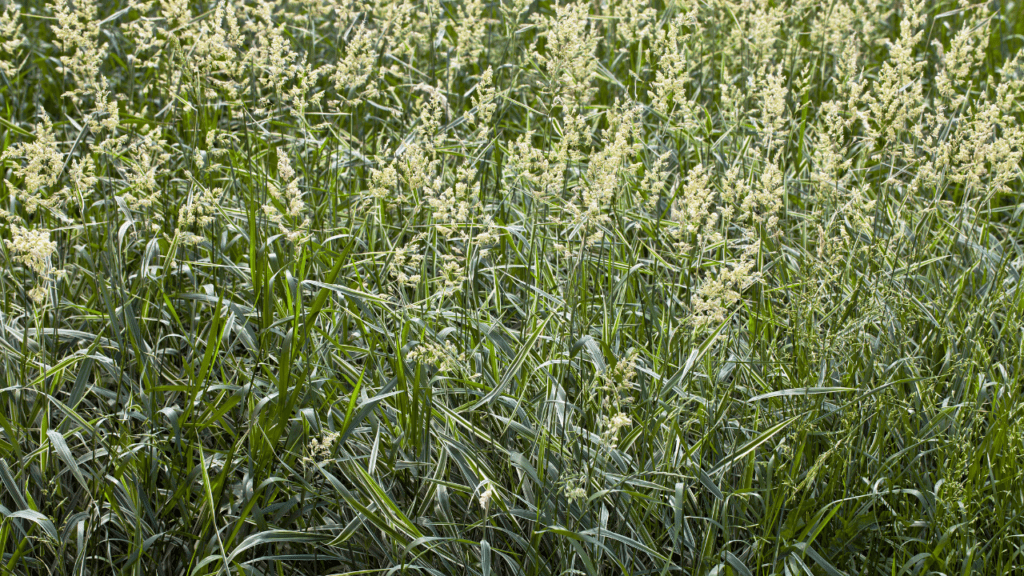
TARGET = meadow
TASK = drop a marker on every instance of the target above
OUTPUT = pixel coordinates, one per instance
(511, 287)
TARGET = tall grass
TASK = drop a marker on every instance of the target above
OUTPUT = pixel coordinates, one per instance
(511, 287)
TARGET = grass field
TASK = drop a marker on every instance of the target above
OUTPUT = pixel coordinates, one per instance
(511, 287)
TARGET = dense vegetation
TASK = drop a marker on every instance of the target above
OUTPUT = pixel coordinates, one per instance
(511, 287)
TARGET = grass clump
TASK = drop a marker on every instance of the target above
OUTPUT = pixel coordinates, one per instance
(511, 287)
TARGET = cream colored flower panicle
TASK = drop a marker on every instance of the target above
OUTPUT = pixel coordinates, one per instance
(772, 91)
(575, 488)
(765, 202)
(617, 383)
(655, 183)
(143, 159)
(197, 213)
(715, 296)
(358, 64)
(434, 113)
(405, 259)
(286, 192)
(409, 24)
(712, 301)
(452, 274)
(484, 100)
(514, 9)
(78, 34)
(695, 208)
(10, 36)
(632, 19)
(532, 170)
(965, 55)
(216, 48)
(470, 28)
(271, 53)
(486, 493)
(34, 249)
(897, 101)
(672, 47)
(384, 184)
(612, 426)
(321, 451)
(569, 58)
(39, 169)
(444, 356)
(614, 160)
(289, 194)
(454, 205)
